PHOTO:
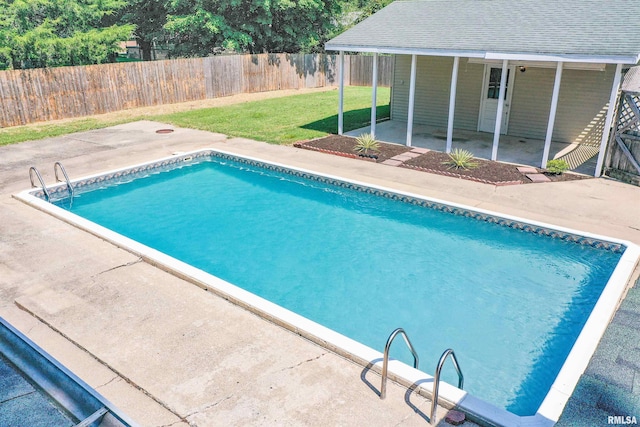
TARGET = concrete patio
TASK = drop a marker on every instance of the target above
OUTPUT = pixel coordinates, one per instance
(525, 151)
(168, 353)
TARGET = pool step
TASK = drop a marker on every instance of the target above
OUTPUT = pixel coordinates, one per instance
(436, 378)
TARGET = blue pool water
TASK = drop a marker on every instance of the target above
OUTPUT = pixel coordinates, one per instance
(510, 303)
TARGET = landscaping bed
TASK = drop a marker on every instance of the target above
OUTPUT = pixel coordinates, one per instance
(487, 171)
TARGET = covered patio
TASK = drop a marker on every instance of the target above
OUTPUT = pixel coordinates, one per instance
(519, 150)
(505, 87)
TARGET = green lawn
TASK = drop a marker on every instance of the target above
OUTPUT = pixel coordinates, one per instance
(17, 134)
(278, 120)
(286, 120)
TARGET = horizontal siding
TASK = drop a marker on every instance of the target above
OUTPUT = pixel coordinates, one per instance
(581, 104)
(400, 92)
(468, 95)
(433, 84)
(531, 102)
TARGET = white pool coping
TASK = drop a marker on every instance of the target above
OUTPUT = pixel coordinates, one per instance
(480, 411)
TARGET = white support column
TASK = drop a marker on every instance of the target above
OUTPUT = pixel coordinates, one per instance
(552, 115)
(503, 89)
(341, 93)
(452, 102)
(412, 98)
(608, 121)
(374, 94)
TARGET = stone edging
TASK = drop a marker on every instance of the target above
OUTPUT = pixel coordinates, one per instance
(418, 168)
(336, 153)
(456, 175)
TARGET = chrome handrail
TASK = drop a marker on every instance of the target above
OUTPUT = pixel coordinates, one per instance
(58, 165)
(436, 380)
(33, 170)
(385, 360)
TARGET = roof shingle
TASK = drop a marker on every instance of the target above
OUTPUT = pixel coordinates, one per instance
(569, 28)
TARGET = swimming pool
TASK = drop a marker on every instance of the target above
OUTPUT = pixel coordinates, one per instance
(373, 260)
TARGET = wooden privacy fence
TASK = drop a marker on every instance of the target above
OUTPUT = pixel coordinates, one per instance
(36, 95)
(623, 157)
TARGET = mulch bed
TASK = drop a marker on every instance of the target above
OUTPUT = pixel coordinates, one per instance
(489, 172)
(343, 146)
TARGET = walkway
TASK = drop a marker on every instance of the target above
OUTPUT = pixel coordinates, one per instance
(525, 151)
(168, 353)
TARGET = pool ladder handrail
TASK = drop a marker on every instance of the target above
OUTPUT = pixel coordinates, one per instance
(33, 170)
(58, 166)
(385, 359)
(436, 380)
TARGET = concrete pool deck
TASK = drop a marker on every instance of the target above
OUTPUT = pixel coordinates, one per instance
(167, 353)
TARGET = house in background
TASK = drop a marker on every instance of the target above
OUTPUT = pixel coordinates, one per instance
(533, 76)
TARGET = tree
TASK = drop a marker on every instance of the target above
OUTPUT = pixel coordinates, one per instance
(149, 17)
(205, 27)
(50, 33)
(365, 8)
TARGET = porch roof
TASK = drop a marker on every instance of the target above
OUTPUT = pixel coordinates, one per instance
(537, 30)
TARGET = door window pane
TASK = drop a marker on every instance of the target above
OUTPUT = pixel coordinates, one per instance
(493, 92)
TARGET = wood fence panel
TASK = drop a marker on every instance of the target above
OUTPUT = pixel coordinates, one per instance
(361, 70)
(619, 159)
(313, 71)
(98, 97)
(18, 98)
(627, 129)
(28, 96)
(224, 71)
(331, 65)
(291, 67)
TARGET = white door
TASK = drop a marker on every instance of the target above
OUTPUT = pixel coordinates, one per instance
(490, 95)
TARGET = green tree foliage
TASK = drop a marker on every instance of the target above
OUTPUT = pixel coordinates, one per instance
(205, 27)
(149, 17)
(50, 33)
(362, 9)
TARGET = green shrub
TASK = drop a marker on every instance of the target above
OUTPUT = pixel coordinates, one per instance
(557, 166)
(461, 159)
(366, 143)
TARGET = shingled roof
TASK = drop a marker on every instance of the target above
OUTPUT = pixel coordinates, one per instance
(569, 30)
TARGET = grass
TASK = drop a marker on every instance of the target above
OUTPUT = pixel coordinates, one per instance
(278, 120)
(16, 134)
(285, 120)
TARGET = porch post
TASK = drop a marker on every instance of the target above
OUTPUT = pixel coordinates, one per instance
(412, 98)
(341, 93)
(503, 89)
(374, 94)
(452, 102)
(552, 115)
(608, 121)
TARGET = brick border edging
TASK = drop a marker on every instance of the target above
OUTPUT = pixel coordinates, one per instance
(418, 168)
(455, 175)
(337, 153)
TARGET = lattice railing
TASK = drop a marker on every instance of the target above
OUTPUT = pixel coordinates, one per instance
(624, 147)
(629, 114)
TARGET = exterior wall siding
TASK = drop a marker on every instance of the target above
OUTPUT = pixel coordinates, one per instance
(581, 104)
(584, 96)
(468, 95)
(433, 75)
(433, 85)
(531, 102)
(400, 87)
(579, 117)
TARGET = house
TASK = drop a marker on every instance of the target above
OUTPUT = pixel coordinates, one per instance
(544, 71)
